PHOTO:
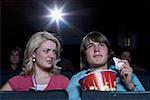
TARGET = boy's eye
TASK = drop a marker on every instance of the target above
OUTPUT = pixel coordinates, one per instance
(90, 45)
(101, 44)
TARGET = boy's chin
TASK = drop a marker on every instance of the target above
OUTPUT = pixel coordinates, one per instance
(98, 65)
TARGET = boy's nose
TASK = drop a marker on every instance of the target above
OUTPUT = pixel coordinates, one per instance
(96, 48)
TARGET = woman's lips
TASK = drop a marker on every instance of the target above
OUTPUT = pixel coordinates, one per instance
(49, 61)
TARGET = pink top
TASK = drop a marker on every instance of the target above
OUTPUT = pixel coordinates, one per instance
(24, 83)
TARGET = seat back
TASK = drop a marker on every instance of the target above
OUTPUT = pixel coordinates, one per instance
(32, 95)
(96, 95)
(145, 80)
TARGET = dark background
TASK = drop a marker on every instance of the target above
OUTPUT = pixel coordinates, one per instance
(114, 18)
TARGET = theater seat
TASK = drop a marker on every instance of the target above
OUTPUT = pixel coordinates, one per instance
(145, 80)
(32, 95)
(95, 95)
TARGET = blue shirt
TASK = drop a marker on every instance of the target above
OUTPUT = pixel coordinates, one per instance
(74, 88)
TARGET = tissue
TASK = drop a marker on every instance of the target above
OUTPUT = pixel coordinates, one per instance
(118, 64)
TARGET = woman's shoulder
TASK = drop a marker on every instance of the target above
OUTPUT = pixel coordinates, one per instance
(20, 78)
(19, 82)
(60, 77)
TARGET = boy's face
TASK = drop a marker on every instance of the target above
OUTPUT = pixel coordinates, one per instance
(96, 53)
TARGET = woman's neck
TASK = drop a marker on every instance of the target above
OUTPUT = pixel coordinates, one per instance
(41, 76)
(41, 73)
(14, 66)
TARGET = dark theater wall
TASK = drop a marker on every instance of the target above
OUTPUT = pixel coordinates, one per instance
(22, 18)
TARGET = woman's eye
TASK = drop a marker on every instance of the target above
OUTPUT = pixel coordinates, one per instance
(54, 51)
(46, 51)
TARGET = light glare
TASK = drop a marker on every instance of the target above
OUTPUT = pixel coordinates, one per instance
(56, 15)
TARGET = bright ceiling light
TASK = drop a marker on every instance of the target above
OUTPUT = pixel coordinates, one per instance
(56, 15)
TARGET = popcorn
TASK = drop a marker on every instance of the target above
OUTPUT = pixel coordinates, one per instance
(91, 88)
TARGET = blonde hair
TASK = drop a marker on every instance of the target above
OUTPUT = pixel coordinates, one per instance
(35, 41)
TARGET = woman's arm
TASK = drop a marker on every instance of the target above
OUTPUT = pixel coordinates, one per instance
(6, 87)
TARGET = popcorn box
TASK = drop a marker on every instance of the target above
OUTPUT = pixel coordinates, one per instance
(100, 80)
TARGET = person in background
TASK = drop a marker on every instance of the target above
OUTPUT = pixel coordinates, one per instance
(40, 72)
(96, 54)
(126, 54)
(13, 66)
(15, 60)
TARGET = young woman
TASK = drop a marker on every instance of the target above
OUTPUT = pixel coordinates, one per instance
(40, 71)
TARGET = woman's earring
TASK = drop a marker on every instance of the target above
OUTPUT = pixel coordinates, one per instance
(33, 59)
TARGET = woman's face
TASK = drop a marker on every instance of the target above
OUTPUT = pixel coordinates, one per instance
(126, 55)
(14, 57)
(96, 53)
(45, 55)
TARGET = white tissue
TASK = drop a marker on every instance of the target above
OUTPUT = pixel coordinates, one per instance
(118, 64)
